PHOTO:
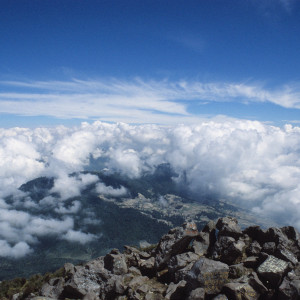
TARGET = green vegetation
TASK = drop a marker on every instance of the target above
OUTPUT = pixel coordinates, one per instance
(26, 286)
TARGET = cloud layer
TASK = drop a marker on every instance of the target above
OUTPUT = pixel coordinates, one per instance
(254, 164)
(136, 101)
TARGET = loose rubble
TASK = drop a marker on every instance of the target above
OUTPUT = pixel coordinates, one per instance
(220, 262)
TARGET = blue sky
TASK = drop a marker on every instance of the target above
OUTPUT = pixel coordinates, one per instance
(67, 61)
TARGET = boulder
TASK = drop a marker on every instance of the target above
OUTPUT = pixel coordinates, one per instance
(253, 249)
(115, 263)
(237, 271)
(238, 291)
(208, 274)
(53, 288)
(147, 267)
(180, 261)
(228, 226)
(220, 297)
(272, 270)
(176, 290)
(228, 250)
(197, 294)
(284, 254)
(256, 234)
(173, 243)
(269, 247)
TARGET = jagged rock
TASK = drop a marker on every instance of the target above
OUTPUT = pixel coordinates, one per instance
(135, 271)
(227, 250)
(210, 234)
(200, 246)
(176, 290)
(182, 273)
(147, 267)
(256, 233)
(255, 282)
(197, 294)
(290, 286)
(208, 274)
(90, 296)
(272, 270)
(238, 270)
(269, 247)
(173, 243)
(142, 287)
(228, 226)
(238, 291)
(53, 288)
(220, 297)
(253, 249)
(286, 255)
(251, 264)
(180, 261)
(116, 263)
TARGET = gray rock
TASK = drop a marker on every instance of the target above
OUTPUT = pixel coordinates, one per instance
(238, 270)
(251, 262)
(180, 261)
(208, 274)
(253, 249)
(200, 247)
(90, 296)
(256, 234)
(228, 226)
(220, 297)
(255, 282)
(272, 270)
(227, 250)
(147, 267)
(53, 288)
(173, 243)
(286, 255)
(182, 273)
(197, 294)
(287, 291)
(238, 291)
(115, 263)
(176, 290)
(269, 247)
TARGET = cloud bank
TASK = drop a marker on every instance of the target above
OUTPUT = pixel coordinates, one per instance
(136, 101)
(254, 164)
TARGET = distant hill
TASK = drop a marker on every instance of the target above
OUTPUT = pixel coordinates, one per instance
(152, 205)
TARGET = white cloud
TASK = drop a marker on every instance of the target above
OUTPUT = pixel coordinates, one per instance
(252, 163)
(101, 188)
(136, 101)
(71, 186)
(78, 236)
(18, 250)
(73, 209)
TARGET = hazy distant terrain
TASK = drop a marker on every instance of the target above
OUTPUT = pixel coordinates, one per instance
(120, 211)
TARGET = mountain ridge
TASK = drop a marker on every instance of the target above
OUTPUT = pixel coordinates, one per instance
(221, 261)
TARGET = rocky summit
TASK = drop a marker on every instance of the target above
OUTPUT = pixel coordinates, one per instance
(220, 262)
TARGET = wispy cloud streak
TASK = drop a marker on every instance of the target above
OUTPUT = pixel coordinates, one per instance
(136, 101)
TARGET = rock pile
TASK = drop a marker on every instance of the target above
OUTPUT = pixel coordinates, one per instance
(220, 262)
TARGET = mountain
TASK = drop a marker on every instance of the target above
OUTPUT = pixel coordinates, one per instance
(152, 205)
(219, 262)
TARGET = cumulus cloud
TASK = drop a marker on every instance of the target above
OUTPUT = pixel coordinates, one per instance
(254, 164)
(101, 188)
(78, 236)
(18, 250)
